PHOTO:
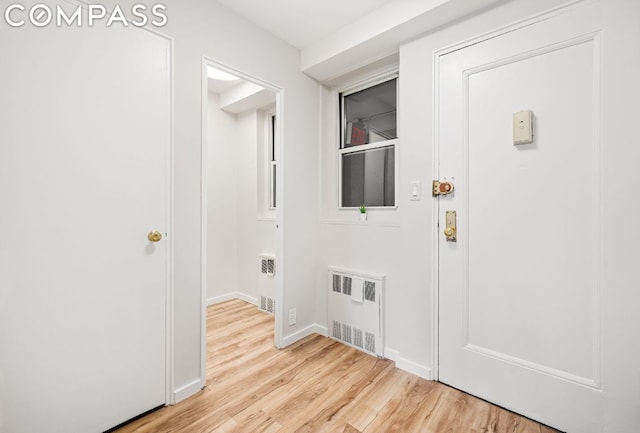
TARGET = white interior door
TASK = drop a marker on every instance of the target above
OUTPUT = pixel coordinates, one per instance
(84, 158)
(519, 292)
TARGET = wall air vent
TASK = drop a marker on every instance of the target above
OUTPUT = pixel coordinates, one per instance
(267, 266)
(355, 309)
(267, 304)
(266, 282)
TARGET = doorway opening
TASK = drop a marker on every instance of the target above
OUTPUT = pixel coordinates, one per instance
(241, 150)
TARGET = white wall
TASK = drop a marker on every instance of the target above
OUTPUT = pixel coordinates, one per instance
(237, 229)
(205, 28)
(247, 191)
(222, 202)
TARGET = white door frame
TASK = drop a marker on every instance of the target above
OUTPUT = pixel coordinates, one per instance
(435, 295)
(169, 316)
(207, 61)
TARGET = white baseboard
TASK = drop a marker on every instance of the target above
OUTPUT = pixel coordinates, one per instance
(391, 354)
(322, 330)
(187, 391)
(305, 332)
(229, 296)
(409, 366)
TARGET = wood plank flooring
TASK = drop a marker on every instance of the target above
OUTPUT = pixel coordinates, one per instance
(317, 385)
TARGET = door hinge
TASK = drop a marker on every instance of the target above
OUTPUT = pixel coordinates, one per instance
(441, 188)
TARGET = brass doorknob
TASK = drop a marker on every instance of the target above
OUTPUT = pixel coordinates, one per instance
(449, 232)
(154, 236)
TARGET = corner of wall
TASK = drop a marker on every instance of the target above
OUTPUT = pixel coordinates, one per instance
(407, 365)
(303, 333)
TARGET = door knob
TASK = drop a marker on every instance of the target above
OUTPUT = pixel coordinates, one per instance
(449, 232)
(154, 236)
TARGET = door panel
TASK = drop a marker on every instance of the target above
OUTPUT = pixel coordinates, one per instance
(520, 308)
(84, 157)
(531, 263)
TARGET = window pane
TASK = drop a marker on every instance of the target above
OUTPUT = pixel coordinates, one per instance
(273, 138)
(370, 115)
(273, 186)
(368, 178)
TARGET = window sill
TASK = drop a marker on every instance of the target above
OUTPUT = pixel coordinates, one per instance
(372, 208)
(377, 224)
(265, 219)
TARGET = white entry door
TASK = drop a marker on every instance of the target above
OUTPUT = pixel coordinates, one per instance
(84, 157)
(519, 291)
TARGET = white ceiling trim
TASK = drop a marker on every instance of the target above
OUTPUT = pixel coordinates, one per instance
(380, 33)
(302, 22)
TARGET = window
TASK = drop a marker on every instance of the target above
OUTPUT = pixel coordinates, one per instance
(367, 145)
(273, 162)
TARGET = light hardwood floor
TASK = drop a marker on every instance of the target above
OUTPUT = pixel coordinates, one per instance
(316, 385)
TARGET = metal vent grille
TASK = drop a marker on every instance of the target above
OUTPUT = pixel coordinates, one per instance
(337, 330)
(346, 285)
(370, 342)
(271, 266)
(357, 337)
(336, 283)
(352, 335)
(346, 333)
(267, 267)
(267, 304)
(370, 291)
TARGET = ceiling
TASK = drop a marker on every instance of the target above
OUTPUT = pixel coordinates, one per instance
(302, 22)
(219, 86)
(341, 37)
(240, 95)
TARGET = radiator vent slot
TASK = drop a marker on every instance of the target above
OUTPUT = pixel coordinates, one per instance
(346, 333)
(337, 330)
(370, 342)
(336, 284)
(370, 291)
(357, 338)
(346, 285)
(355, 309)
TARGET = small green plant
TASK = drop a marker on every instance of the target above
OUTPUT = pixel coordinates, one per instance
(363, 209)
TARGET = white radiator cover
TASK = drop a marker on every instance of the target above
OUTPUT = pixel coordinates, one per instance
(355, 309)
(266, 282)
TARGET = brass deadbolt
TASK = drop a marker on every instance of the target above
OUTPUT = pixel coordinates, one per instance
(441, 188)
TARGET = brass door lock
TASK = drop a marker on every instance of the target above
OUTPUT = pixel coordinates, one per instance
(441, 188)
(450, 226)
